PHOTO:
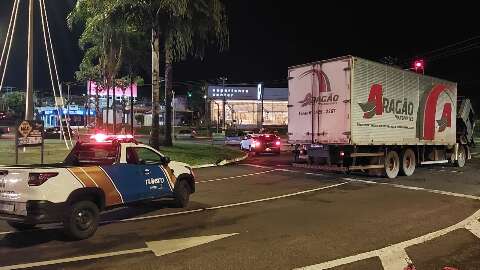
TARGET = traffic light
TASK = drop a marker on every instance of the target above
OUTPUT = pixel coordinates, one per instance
(419, 66)
(189, 94)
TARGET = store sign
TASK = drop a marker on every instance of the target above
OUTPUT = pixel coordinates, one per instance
(92, 89)
(30, 133)
(238, 93)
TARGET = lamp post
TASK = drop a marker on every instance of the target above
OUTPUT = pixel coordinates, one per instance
(223, 79)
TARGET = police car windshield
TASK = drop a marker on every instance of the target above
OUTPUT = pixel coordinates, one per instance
(92, 154)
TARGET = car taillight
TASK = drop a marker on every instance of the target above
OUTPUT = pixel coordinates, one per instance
(258, 144)
(277, 143)
(36, 179)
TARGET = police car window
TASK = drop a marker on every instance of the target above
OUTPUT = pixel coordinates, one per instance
(147, 156)
(92, 154)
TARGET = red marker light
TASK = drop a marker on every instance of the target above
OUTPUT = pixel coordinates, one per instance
(277, 143)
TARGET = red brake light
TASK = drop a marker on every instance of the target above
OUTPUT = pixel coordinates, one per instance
(277, 143)
(36, 179)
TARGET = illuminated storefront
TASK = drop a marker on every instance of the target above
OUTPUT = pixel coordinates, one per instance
(243, 106)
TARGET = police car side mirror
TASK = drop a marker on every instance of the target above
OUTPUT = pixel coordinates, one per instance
(165, 160)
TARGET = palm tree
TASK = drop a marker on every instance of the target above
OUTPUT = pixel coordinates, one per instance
(179, 28)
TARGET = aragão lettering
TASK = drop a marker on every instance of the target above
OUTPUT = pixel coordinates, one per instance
(378, 105)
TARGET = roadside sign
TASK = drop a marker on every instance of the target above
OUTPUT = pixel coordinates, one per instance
(29, 134)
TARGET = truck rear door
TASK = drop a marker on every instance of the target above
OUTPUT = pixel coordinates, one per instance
(319, 102)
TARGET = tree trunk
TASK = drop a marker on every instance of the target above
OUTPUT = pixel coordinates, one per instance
(108, 105)
(114, 109)
(168, 99)
(155, 133)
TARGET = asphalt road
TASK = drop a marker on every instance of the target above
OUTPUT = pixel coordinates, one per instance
(264, 214)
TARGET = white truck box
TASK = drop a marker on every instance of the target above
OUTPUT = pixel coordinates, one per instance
(350, 100)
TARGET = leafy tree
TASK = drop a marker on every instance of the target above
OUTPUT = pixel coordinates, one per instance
(15, 101)
(105, 40)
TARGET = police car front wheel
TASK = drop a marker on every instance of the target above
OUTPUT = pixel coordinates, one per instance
(81, 220)
(182, 194)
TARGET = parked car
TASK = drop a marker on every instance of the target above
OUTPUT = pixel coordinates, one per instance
(235, 137)
(54, 133)
(186, 134)
(4, 130)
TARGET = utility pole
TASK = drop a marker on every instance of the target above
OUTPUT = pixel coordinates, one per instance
(68, 99)
(29, 94)
(260, 86)
(223, 79)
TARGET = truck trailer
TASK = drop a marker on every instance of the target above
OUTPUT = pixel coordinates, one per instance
(350, 113)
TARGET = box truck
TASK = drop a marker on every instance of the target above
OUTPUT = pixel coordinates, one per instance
(350, 113)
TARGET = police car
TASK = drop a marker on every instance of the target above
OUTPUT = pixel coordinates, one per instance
(109, 172)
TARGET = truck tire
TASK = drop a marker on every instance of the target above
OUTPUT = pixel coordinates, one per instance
(182, 194)
(392, 164)
(408, 162)
(462, 156)
(81, 220)
(20, 226)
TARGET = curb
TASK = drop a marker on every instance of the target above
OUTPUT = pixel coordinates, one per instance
(221, 163)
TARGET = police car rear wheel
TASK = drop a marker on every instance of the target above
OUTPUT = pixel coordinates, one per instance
(81, 221)
(21, 226)
(182, 194)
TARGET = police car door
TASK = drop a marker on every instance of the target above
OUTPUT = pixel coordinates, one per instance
(153, 174)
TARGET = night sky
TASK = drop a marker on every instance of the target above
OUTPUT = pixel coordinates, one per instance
(266, 37)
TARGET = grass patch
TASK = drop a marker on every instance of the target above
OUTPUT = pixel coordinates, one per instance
(55, 151)
(196, 154)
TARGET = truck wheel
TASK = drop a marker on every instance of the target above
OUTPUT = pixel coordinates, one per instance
(392, 164)
(462, 156)
(21, 226)
(81, 220)
(182, 194)
(408, 162)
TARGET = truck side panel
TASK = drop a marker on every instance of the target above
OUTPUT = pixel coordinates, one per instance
(319, 108)
(391, 106)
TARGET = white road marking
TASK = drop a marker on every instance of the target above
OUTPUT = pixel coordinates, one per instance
(474, 227)
(256, 166)
(159, 248)
(393, 248)
(415, 188)
(203, 209)
(276, 197)
(164, 247)
(234, 177)
(394, 259)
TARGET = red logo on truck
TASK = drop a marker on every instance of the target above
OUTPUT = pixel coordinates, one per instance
(374, 105)
(321, 78)
(426, 116)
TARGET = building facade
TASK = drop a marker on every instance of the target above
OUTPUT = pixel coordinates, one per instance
(244, 106)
